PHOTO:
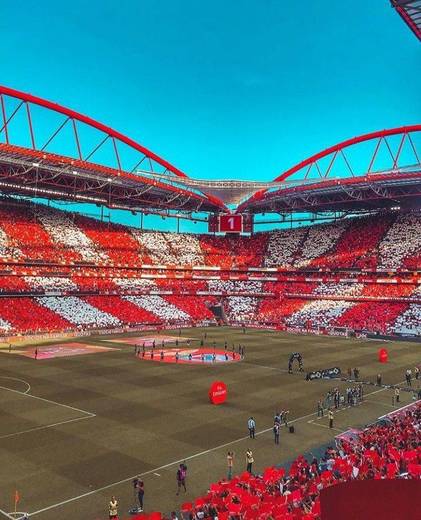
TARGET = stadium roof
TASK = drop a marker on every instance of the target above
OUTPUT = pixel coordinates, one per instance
(94, 163)
(410, 11)
(230, 192)
(379, 169)
(39, 159)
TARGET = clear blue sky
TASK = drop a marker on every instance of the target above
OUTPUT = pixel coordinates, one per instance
(240, 89)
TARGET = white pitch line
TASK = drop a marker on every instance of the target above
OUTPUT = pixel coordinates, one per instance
(324, 426)
(284, 370)
(20, 380)
(45, 427)
(7, 515)
(48, 401)
(165, 466)
(155, 470)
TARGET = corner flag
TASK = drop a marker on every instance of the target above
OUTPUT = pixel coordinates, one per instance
(17, 498)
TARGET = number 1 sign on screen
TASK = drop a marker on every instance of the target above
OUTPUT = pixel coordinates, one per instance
(231, 223)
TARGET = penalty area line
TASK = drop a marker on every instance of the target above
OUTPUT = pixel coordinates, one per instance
(45, 427)
(48, 401)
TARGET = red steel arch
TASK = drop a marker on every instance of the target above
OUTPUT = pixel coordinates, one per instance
(338, 152)
(142, 181)
(76, 116)
(405, 131)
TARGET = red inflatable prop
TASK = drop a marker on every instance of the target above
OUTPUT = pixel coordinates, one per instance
(218, 392)
(383, 355)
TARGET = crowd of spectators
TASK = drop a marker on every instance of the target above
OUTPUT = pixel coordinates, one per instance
(319, 240)
(125, 311)
(27, 315)
(339, 289)
(356, 246)
(78, 312)
(371, 316)
(37, 231)
(7, 250)
(235, 286)
(197, 307)
(318, 313)
(50, 284)
(387, 450)
(159, 306)
(64, 232)
(409, 321)
(135, 284)
(115, 240)
(241, 308)
(282, 247)
(103, 257)
(401, 240)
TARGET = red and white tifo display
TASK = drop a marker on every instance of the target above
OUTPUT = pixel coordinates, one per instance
(194, 356)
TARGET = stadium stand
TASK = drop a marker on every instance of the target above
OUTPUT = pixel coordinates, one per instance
(387, 449)
(92, 274)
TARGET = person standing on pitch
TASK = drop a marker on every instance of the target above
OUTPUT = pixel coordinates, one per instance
(417, 373)
(249, 460)
(408, 375)
(379, 380)
(276, 432)
(284, 417)
(113, 509)
(320, 411)
(181, 478)
(330, 416)
(230, 464)
(397, 394)
(36, 353)
(251, 424)
(140, 494)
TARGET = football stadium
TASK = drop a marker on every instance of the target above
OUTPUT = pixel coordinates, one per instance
(263, 367)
